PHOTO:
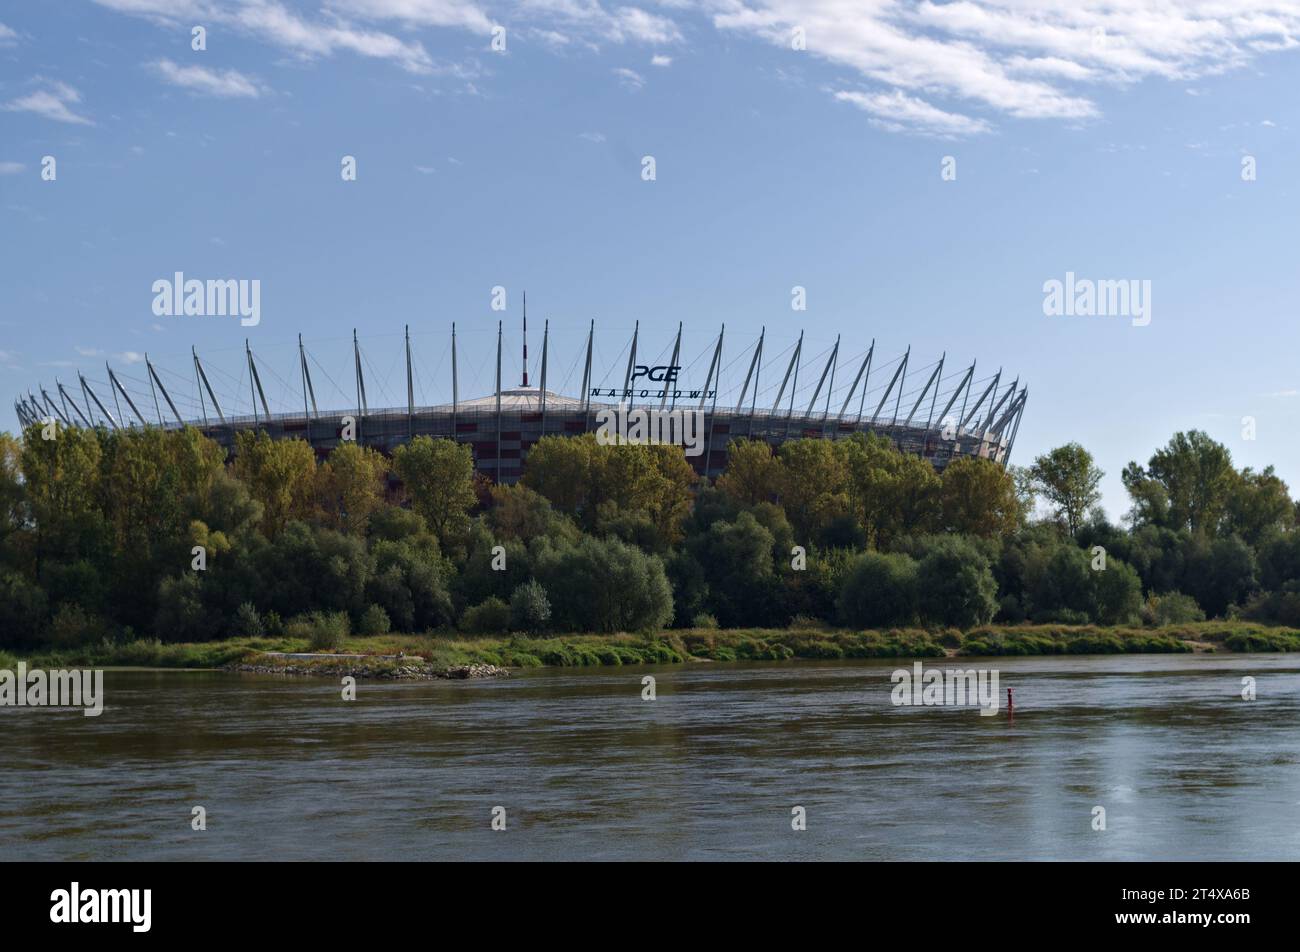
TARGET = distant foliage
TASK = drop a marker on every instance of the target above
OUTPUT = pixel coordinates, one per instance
(530, 609)
(106, 533)
(489, 617)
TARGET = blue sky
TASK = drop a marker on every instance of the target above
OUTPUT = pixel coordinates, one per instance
(1102, 139)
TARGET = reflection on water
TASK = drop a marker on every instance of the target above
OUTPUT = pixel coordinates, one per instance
(711, 769)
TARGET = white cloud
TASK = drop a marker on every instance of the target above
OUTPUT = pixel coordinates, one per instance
(898, 112)
(7, 35)
(11, 168)
(591, 21)
(596, 137)
(417, 12)
(52, 102)
(633, 24)
(229, 84)
(660, 60)
(425, 169)
(1023, 60)
(629, 78)
(272, 22)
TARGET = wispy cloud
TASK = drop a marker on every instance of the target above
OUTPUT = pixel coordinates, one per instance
(629, 78)
(51, 101)
(8, 36)
(898, 112)
(272, 22)
(11, 168)
(660, 60)
(1024, 61)
(229, 83)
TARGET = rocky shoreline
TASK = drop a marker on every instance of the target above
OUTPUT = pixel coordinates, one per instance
(409, 670)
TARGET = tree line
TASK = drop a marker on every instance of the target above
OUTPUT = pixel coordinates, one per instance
(122, 534)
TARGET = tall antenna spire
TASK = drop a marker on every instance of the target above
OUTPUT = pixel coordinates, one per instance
(525, 338)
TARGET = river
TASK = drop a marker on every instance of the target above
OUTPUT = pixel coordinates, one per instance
(711, 769)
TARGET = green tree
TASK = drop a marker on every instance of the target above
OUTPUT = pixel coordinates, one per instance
(1068, 478)
(1192, 476)
(956, 586)
(814, 485)
(752, 474)
(530, 609)
(439, 477)
(604, 585)
(560, 468)
(892, 494)
(880, 591)
(1259, 506)
(61, 479)
(352, 486)
(736, 558)
(979, 498)
(280, 474)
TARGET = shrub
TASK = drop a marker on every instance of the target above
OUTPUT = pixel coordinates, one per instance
(22, 610)
(322, 630)
(704, 620)
(604, 585)
(530, 609)
(1172, 608)
(956, 587)
(273, 624)
(374, 621)
(74, 627)
(880, 591)
(490, 616)
(248, 622)
(181, 614)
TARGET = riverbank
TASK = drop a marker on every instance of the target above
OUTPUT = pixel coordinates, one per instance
(443, 655)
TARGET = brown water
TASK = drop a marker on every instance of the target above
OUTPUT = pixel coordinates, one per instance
(710, 770)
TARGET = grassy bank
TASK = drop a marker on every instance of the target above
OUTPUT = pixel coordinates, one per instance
(675, 646)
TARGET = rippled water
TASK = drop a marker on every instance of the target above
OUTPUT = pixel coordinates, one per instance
(710, 770)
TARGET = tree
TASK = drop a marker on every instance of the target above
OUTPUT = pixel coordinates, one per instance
(352, 486)
(23, 610)
(1069, 480)
(1219, 573)
(654, 479)
(752, 474)
(521, 514)
(439, 477)
(560, 468)
(736, 558)
(604, 585)
(61, 477)
(1192, 476)
(814, 484)
(880, 591)
(979, 498)
(1259, 506)
(956, 586)
(280, 474)
(530, 609)
(12, 493)
(890, 493)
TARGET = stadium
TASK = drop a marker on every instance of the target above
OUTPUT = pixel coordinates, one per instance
(745, 393)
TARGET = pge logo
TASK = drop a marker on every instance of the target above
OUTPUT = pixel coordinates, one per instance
(664, 372)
